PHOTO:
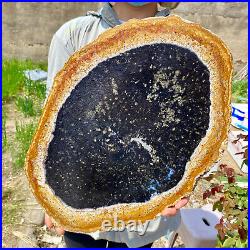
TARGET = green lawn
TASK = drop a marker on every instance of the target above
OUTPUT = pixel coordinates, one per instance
(27, 97)
(13, 79)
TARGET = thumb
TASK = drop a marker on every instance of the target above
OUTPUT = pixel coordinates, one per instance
(60, 231)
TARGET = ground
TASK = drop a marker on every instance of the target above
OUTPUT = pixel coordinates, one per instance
(22, 215)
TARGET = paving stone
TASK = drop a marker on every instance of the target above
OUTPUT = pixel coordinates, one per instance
(34, 216)
(26, 237)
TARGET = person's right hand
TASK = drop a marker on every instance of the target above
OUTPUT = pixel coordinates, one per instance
(48, 222)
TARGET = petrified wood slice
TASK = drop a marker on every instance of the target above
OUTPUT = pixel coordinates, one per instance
(133, 119)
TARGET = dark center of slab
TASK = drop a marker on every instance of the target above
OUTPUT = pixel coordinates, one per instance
(129, 127)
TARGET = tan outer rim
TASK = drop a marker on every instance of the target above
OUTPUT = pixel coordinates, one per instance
(214, 54)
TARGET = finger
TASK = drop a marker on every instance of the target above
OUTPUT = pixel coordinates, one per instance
(169, 211)
(48, 222)
(181, 203)
(59, 231)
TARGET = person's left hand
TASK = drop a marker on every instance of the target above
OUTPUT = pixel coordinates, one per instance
(171, 211)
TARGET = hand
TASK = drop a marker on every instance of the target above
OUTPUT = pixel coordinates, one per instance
(50, 226)
(171, 211)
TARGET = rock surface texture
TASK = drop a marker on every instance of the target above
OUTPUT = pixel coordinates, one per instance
(133, 119)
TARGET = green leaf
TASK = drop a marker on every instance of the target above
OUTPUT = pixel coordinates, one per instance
(243, 198)
(239, 244)
(240, 190)
(246, 204)
(229, 242)
(245, 222)
(235, 211)
(232, 189)
(246, 243)
(240, 203)
(218, 205)
(219, 243)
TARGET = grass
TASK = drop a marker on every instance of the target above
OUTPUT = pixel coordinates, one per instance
(13, 78)
(28, 95)
(36, 89)
(31, 100)
(239, 91)
(25, 105)
(23, 138)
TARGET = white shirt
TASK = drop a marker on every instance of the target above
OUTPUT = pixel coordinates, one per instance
(71, 37)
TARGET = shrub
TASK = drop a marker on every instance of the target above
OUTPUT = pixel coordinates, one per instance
(232, 201)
